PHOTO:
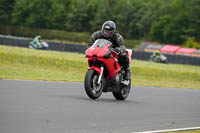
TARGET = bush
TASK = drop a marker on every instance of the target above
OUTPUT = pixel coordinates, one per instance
(132, 43)
(191, 43)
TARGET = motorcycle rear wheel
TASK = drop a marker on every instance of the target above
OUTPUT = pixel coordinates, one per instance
(123, 92)
(93, 90)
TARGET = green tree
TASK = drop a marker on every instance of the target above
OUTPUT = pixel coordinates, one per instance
(172, 28)
(78, 18)
(194, 17)
(126, 18)
(40, 13)
(105, 11)
(6, 9)
(57, 15)
(157, 31)
(21, 12)
(168, 21)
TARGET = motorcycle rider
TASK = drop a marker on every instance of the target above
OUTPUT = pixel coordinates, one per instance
(37, 41)
(156, 53)
(108, 32)
(158, 57)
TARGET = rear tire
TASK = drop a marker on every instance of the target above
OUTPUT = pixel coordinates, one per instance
(123, 92)
(93, 90)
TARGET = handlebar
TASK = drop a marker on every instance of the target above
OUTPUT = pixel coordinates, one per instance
(113, 50)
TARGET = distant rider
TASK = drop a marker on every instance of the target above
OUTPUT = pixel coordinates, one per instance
(108, 32)
(156, 53)
(37, 40)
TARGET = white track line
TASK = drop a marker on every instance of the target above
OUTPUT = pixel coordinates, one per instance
(169, 130)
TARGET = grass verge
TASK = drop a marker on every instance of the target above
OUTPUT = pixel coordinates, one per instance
(22, 63)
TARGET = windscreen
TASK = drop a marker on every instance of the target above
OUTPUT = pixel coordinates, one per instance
(101, 43)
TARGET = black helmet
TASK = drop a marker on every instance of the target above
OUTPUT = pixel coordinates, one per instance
(108, 28)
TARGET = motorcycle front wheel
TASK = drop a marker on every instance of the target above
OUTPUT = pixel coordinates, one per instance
(92, 88)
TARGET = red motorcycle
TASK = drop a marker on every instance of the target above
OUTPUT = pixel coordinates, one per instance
(104, 73)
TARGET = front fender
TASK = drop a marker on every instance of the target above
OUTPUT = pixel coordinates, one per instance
(97, 69)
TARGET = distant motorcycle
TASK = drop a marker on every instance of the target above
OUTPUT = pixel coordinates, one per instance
(38, 45)
(158, 58)
(104, 73)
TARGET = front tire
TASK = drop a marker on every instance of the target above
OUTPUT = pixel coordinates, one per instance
(93, 90)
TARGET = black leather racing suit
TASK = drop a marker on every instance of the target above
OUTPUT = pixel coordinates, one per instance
(117, 41)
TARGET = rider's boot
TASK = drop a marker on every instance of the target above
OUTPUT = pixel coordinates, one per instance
(127, 74)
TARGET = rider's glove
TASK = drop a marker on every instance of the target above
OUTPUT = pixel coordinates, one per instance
(118, 50)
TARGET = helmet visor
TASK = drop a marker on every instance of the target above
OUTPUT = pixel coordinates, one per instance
(107, 33)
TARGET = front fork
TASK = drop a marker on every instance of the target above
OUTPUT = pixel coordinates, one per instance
(100, 76)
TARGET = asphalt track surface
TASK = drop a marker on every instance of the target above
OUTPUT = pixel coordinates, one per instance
(59, 107)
